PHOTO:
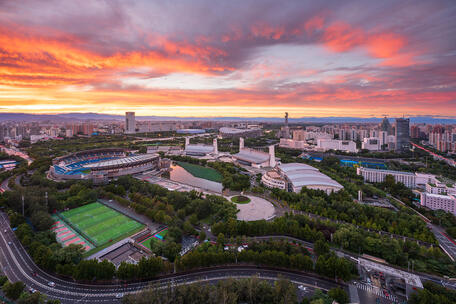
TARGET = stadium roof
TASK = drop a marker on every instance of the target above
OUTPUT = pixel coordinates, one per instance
(296, 166)
(228, 130)
(304, 175)
(199, 148)
(252, 156)
(122, 161)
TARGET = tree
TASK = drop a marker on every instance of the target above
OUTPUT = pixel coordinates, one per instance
(339, 295)
(321, 247)
(13, 290)
(41, 220)
(34, 298)
(221, 239)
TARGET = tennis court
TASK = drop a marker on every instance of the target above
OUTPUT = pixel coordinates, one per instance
(100, 224)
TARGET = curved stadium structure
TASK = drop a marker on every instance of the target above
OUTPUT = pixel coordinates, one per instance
(101, 164)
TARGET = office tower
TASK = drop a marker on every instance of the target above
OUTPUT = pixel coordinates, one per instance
(386, 126)
(402, 134)
(130, 123)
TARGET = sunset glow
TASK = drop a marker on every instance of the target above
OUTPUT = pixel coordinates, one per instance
(229, 58)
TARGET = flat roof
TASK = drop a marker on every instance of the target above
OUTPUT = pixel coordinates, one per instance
(439, 195)
(122, 161)
(388, 171)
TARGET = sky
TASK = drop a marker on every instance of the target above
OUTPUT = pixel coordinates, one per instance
(229, 58)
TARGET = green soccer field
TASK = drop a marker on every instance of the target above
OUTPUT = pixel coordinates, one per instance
(101, 224)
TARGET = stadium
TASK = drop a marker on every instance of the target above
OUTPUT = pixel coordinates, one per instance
(100, 165)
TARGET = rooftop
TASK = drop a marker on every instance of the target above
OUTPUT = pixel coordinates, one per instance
(252, 156)
(122, 161)
(304, 175)
(199, 148)
(388, 171)
(235, 131)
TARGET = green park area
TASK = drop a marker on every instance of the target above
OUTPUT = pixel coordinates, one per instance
(202, 172)
(100, 224)
(240, 199)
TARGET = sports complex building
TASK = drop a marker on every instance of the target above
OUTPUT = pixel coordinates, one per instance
(100, 165)
(293, 176)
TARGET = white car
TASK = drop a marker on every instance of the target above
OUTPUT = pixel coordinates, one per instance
(32, 290)
(119, 295)
(302, 288)
(9, 243)
(51, 284)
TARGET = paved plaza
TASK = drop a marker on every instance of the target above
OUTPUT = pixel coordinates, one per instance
(257, 209)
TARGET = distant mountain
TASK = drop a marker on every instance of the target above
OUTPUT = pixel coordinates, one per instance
(96, 116)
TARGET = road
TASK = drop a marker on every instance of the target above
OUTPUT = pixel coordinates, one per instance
(4, 186)
(18, 266)
(447, 244)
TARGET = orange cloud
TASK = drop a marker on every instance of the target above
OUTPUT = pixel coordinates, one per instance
(33, 59)
(340, 37)
(267, 31)
(385, 45)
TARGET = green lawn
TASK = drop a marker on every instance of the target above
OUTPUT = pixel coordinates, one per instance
(202, 172)
(100, 223)
(240, 199)
(148, 243)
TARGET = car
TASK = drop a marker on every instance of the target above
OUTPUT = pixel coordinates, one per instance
(302, 287)
(119, 296)
(51, 284)
(32, 290)
(4, 230)
(9, 243)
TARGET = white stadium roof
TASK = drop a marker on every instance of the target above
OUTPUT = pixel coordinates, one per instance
(122, 161)
(199, 149)
(301, 175)
(252, 156)
(228, 130)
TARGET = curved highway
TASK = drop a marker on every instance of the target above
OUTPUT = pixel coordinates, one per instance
(18, 266)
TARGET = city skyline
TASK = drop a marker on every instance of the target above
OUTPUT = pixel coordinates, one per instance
(240, 59)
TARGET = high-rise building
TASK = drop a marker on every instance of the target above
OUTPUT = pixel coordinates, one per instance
(130, 123)
(385, 125)
(402, 134)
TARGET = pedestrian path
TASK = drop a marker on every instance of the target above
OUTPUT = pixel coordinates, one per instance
(377, 291)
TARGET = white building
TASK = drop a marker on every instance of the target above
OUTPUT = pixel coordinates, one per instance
(273, 179)
(335, 144)
(294, 144)
(371, 144)
(439, 201)
(378, 176)
(200, 149)
(130, 123)
(255, 158)
(293, 176)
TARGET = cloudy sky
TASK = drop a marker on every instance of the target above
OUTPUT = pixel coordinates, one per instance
(229, 58)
